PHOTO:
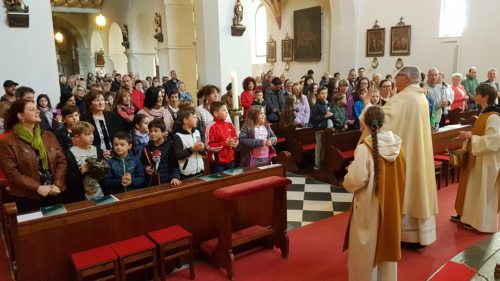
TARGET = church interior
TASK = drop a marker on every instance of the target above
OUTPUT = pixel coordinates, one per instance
(289, 204)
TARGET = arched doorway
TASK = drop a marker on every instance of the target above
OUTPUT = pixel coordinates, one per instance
(67, 53)
(72, 52)
(116, 50)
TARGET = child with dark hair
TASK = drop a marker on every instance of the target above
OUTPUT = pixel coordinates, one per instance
(321, 119)
(43, 104)
(259, 99)
(126, 172)
(158, 159)
(140, 134)
(477, 195)
(70, 117)
(188, 146)
(287, 115)
(377, 179)
(220, 139)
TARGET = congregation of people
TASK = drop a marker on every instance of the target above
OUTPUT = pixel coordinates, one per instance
(149, 132)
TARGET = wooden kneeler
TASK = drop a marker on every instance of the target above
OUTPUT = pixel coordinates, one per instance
(220, 249)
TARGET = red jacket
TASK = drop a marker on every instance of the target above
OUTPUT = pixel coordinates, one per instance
(137, 98)
(216, 135)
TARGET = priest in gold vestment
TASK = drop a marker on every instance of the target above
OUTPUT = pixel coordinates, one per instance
(407, 115)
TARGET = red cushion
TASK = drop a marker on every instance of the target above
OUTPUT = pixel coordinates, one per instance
(281, 140)
(310, 146)
(442, 157)
(242, 189)
(348, 154)
(208, 247)
(132, 246)
(168, 234)
(93, 257)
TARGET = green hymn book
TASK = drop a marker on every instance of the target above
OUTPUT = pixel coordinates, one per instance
(53, 210)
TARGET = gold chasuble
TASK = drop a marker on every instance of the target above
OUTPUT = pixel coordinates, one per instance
(478, 129)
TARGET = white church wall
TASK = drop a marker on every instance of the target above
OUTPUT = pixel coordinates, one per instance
(217, 52)
(478, 46)
(28, 54)
(297, 69)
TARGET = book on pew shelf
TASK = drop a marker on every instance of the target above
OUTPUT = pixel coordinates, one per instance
(106, 199)
(233, 171)
(268, 166)
(29, 216)
(53, 210)
(212, 177)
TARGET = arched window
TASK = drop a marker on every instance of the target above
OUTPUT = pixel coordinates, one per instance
(452, 19)
(260, 31)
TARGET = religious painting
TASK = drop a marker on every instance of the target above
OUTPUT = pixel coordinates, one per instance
(287, 50)
(400, 40)
(271, 51)
(99, 59)
(307, 34)
(375, 39)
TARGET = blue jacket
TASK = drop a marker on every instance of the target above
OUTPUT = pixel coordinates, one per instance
(112, 182)
(318, 112)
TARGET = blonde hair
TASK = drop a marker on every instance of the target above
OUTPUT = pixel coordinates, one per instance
(252, 115)
(82, 127)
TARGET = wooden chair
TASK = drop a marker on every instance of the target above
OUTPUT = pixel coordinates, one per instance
(99, 263)
(220, 249)
(173, 242)
(136, 254)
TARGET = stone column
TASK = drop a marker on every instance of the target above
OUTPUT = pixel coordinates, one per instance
(219, 53)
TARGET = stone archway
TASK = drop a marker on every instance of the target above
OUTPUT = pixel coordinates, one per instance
(116, 51)
(73, 54)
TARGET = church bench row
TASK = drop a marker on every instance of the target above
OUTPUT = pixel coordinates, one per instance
(43, 246)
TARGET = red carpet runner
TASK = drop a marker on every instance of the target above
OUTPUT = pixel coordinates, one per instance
(316, 253)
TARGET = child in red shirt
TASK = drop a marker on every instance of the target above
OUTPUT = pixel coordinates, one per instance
(220, 139)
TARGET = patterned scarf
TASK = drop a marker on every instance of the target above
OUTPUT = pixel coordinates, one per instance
(143, 138)
(35, 140)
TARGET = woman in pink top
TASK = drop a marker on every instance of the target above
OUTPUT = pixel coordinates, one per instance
(248, 94)
(460, 100)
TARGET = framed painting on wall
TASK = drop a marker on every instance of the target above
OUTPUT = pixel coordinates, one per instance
(271, 51)
(287, 50)
(400, 40)
(99, 59)
(375, 42)
(307, 34)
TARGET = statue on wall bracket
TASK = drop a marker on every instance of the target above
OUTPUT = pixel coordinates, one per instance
(237, 29)
(17, 13)
(158, 29)
(125, 42)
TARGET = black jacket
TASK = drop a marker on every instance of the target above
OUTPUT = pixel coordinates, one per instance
(318, 112)
(114, 124)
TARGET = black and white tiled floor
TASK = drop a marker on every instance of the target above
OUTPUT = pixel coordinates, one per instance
(309, 200)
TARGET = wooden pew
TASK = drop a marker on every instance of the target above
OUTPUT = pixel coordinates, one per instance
(441, 139)
(441, 144)
(43, 246)
(301, 142)
(338, 153)
(455, 115)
